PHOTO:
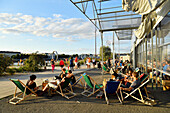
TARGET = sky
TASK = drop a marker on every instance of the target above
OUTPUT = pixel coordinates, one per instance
(28, 26)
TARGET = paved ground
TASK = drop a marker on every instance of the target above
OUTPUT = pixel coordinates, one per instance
(81, 104)
(8, 88)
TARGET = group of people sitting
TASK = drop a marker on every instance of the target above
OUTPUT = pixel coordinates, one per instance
(129, 81)
(129, 78)
(60, 79)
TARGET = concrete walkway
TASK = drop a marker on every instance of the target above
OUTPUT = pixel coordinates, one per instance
(8, 88)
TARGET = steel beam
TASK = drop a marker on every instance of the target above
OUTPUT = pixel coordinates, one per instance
(116, 29)
(113, 50)
(152, 56)
(85, 14)
(111, 12)
(119, 19)
(82, 1)
(110, 8)
(114, 16)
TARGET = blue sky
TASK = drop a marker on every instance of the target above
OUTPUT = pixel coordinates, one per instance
(45, 26)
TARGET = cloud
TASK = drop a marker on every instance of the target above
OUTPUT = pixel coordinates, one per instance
(3, 37)
(29, 39)
(71, 29)
(80, 50)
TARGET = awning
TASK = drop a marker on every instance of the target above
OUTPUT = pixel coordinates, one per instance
(152, 11)
(108, 16)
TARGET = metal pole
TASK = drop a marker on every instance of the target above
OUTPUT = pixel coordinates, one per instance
(162, 48)
(134, 56)
(113, 51)
(95, 41)
(102, 48)
(156, 34)
(119, 49)
(143, 56)
(152, 56)
(160, 57)
(146, 55)
(159, 49)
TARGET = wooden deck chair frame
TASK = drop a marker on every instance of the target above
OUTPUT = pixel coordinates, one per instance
(77, 81)
(92, 87)
(118, 90)
(141, 99)
(23, 93)
(105, 70)
(61, 91)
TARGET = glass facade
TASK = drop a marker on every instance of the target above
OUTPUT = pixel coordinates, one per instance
(155, 52)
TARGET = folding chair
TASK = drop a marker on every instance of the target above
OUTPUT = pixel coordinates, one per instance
(92, 84)
(77, 81)
(25, 92)
(144, 98)
(112, 87)
(63, 86)
(105, 69)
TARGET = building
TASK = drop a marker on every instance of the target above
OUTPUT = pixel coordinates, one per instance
(9, 53)
(124, 56)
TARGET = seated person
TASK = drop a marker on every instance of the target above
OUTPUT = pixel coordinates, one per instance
(136, 83)
(61, 75)
(54, 84)
(118, 66)
(124, 67)
(105, 65)
(127, 80)
(31, 84)
(115, 76)
(99, 65)
(70, 75)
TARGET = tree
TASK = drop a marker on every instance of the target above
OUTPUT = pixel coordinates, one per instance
(106, 52)
(5, 61)
(34, 62)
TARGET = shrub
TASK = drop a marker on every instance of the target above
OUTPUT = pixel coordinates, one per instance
(11, 71)
(20, 69)
(85, 60)
(33, 63)
(81, 62)
(5, 61)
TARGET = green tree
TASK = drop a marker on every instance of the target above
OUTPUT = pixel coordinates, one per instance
(106, 52)
(34, 62)
(5, 61)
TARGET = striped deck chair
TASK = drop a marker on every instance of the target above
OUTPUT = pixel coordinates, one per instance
(63, 86)
(25, 92)
(92, 84)
(144, 97)
(112, 87)
(105, 69)
(77, 81)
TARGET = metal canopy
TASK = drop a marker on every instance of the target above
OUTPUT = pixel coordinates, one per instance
(108, 15)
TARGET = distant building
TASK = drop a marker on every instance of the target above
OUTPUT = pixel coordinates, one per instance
(83, 56)
(125, 56)
(9, 53)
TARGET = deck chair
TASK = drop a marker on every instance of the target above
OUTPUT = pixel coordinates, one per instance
(76, 83)
(112, 87)
(92, 86)
(25, 92)
(143, 95)
(105, 69)
(63, 86)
